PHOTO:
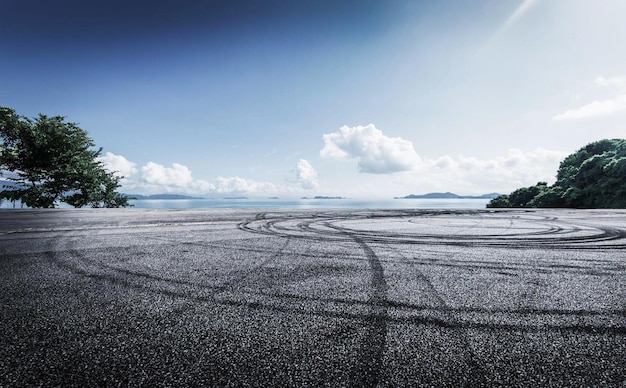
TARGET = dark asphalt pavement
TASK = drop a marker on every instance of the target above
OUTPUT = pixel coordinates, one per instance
(312, 297)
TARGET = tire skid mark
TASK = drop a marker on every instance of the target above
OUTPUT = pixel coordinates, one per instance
(551, 236)
(135, 279)
(471, 358)
(367, 371)
(203, 293)
(415, 320)
(497, 240)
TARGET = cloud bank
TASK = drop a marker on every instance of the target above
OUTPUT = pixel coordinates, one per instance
(378, 153)
(375, 152)
(154, 178)
(395, 170)
(514, 169)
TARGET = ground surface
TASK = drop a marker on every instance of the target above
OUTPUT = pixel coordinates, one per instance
(307, 298)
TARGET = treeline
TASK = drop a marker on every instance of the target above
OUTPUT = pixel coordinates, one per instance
(592, 177)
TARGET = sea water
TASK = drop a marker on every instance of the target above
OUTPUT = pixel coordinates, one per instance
(417, 203)
(420, 203)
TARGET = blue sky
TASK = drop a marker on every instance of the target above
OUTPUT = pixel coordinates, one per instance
(368, 99)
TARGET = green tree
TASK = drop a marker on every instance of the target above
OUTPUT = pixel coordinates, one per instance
(500, 201)
(550, 197)
(54, 161)
(592, 177)
(595, 176)
(522, 197)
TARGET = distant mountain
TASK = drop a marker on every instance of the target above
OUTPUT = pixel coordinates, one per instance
(448, 195)
(160, 196)
(489, 196)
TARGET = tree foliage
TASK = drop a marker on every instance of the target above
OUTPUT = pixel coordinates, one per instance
(53, 161)
(592, 177)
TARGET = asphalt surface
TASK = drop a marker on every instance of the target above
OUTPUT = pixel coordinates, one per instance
(310, 298)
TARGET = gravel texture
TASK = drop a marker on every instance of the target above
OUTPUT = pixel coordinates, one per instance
(193, 297)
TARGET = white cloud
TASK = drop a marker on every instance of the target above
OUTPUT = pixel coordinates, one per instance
(157, 174)
(306, 176)
(118, 164)
(375, 152)
(154, 178)
(596, 108)
(471, 175)
(461, 174)
(599, 107)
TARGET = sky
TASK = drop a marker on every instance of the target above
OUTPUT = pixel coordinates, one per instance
(364, 99)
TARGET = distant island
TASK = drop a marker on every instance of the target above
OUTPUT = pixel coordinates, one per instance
(448, 195)
(273, 198)
(140, 197)
(323, 197)
(235, 198)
